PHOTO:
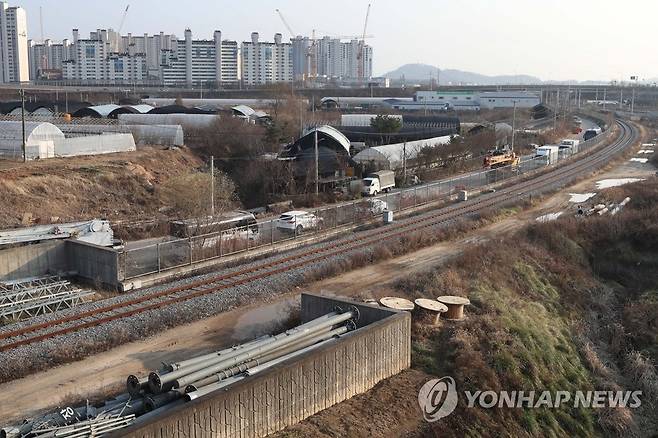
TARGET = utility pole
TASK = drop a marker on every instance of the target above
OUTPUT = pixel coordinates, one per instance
(317, 165)
(604, 96)
(212, 186)
(22, 92)
(557, 105)
(404, 163)
(513, 124)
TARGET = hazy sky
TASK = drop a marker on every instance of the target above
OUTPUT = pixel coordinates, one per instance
(551, 39)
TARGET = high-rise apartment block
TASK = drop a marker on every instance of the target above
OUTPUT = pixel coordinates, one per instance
(265, 62)
(197, 62)
(14, 62)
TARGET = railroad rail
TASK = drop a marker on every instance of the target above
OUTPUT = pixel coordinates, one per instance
(158, 299)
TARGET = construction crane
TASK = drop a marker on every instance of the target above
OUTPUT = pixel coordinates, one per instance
(285, 23)
(44, 56)
(360, 58)
(123, 19)
(311, 53)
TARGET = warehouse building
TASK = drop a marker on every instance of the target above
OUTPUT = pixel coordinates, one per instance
(471, 100)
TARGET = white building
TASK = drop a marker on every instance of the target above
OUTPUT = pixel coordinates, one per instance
(194, 62)
(48, 57)
(338, 59)
(14, 62)
(471, 100)
(265, 62)
(507, 99)
(95, 60)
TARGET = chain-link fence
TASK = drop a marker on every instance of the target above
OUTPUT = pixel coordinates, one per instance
(179, 252)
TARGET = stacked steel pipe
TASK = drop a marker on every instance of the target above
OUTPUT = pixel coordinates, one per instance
(192, 378)
(189, 379)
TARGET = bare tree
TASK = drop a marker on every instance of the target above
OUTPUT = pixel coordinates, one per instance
(189, 195)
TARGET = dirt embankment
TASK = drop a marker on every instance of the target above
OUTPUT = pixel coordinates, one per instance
(114, 186)
(569, 305)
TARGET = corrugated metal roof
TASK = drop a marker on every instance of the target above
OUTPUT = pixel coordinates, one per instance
(336, 135)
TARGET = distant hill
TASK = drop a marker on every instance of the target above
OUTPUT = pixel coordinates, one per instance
(421, 73)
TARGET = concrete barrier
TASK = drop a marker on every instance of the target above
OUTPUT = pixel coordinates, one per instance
(298, 388)
(94, 263)
(47, 258)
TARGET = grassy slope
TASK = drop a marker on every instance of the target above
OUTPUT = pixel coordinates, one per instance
(568, 305)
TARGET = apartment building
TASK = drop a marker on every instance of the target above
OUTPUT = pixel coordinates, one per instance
(47, 58)
(335, 58)
(95, 60)
(192, 62)
(266, 62)
(14, 62)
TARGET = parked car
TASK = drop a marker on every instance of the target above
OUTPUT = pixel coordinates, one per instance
(298, 221)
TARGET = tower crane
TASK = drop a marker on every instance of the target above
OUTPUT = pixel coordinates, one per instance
(360, 56)
(285, 23)
(123, 19)
(44, 55)
(311, 53)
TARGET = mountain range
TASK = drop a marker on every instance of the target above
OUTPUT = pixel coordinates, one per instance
(421, 73)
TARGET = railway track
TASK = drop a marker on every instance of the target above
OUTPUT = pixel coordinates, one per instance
(547, 181)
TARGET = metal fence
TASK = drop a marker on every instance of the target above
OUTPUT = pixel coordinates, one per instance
(180, 252)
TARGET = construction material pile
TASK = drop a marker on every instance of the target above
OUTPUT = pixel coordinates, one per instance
(187, 380)
(36, 296)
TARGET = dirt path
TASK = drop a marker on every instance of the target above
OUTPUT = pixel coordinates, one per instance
(106, 372)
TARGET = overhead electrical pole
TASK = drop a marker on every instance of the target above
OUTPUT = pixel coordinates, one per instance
(212, 185)
(22, 92)
(317, 158)
(513, 124)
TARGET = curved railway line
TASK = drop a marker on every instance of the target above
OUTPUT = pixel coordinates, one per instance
(158, 299)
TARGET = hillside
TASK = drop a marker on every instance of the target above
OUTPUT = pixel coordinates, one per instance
(569, 305)
(421, 73)
(113, 186)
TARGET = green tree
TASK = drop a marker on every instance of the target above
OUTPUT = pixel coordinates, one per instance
(386, 125)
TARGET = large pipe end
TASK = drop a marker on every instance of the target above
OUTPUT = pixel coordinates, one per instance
(155, 384)
(134, 385)
(351, 325)
(190, 388)
(356, 315)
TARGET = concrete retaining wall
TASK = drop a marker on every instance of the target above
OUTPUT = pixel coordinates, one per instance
(92, 262)
(294, 390)
(33, 260)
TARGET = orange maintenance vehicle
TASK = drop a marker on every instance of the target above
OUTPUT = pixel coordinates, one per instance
(500, 157)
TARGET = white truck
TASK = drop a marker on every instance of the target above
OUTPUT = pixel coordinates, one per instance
(377, 182)
(548, 153)
(570, 143)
